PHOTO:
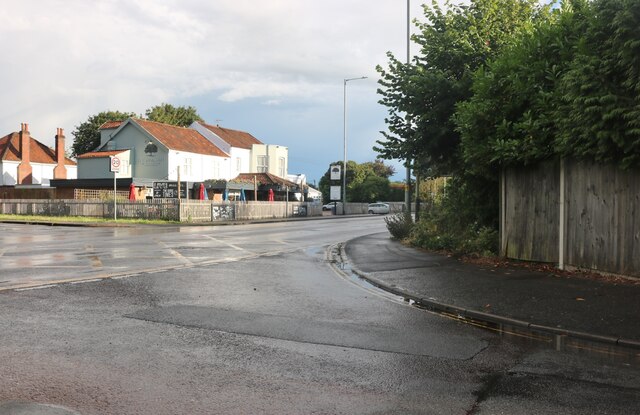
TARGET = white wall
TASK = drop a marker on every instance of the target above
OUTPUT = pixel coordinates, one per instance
(40, 173)
(245, 162)
(9, 172)
(274, 153)
(203, 167)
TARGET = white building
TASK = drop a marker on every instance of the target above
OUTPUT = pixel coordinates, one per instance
(200, 152)
(154, 150)
(26, 161)
(248, 154)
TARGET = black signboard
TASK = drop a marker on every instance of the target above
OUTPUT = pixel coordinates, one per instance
(169, 190)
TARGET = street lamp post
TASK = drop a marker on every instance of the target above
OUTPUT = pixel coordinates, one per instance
(407, 191)
(344, 167)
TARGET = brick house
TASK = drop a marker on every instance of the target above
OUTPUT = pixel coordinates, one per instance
(26, 161)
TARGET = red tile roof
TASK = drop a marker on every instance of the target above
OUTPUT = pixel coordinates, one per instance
(180, 138)
(39, 153)
(110, 125)
(99, 154)
(262, 179)
(234, 138)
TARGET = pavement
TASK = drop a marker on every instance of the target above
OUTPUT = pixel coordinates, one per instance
(594, 309)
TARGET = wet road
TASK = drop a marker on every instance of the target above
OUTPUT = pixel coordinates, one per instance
(253, 319)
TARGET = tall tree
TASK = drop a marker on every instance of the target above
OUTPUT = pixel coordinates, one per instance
(421, 97)
(168, 114)
(86, 136)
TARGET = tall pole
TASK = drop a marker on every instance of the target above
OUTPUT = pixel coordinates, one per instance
(407, 189)
(344, 132)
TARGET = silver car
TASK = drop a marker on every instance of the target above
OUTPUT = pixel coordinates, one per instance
(380, 208)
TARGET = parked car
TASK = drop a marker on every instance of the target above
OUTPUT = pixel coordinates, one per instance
(380, 208)
(330, 205)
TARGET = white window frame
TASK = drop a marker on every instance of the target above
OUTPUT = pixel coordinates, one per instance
(262, 164)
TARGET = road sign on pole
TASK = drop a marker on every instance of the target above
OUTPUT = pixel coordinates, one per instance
(114, 164)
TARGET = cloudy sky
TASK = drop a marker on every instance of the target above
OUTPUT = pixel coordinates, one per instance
(274, 68)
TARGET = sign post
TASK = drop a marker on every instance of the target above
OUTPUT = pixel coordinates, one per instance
(114, 166)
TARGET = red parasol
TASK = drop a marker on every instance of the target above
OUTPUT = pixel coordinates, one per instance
(271, 196)
(201, 194)
(132, 192)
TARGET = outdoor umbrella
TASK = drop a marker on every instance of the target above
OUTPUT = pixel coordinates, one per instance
(201, 192)
(132, 192)
(271, 197)
(243, 197)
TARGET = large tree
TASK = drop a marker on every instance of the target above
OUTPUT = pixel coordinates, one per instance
(86, 136)
(569, 89)
(421, 96)
(168, 114)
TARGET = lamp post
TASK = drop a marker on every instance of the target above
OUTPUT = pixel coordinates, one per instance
(407, 189)
(344, 167)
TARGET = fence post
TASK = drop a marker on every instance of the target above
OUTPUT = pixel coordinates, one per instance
(561, 218)
(503, 212)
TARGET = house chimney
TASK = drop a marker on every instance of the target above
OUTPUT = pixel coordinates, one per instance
(24, 168)
(60, 171)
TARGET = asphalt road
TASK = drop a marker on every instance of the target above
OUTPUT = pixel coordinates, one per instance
(254, 319)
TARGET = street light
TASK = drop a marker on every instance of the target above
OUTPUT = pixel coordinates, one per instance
(344, 167)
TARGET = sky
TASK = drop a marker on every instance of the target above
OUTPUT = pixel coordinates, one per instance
(273, 68)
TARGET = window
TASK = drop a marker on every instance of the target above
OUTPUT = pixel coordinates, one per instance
(124, 167)
(238, 164)
(187, 167)
(263, 164)
(281, 167)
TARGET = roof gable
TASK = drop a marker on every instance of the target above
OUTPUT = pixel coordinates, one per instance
(178, 138)
(39, 153)
(235, 138)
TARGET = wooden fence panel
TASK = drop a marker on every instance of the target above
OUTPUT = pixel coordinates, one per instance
(601, 224)
(532, 212)
(603, 228)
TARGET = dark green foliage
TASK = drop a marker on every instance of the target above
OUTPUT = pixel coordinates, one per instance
(456, 222)
(86, 136)
(422, 96)
(399, 225)
(599, 111)
(569, 89)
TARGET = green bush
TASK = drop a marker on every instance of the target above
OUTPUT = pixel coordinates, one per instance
(459, 221)
(399, 225)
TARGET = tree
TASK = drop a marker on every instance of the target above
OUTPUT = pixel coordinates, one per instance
(421, 97)
(366, 182)
(373, 188)
(168, 114)
(569, 89)
(599, 111)
(86, 136)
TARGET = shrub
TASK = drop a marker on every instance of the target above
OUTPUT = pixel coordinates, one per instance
(399, 225)
(458, 221)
